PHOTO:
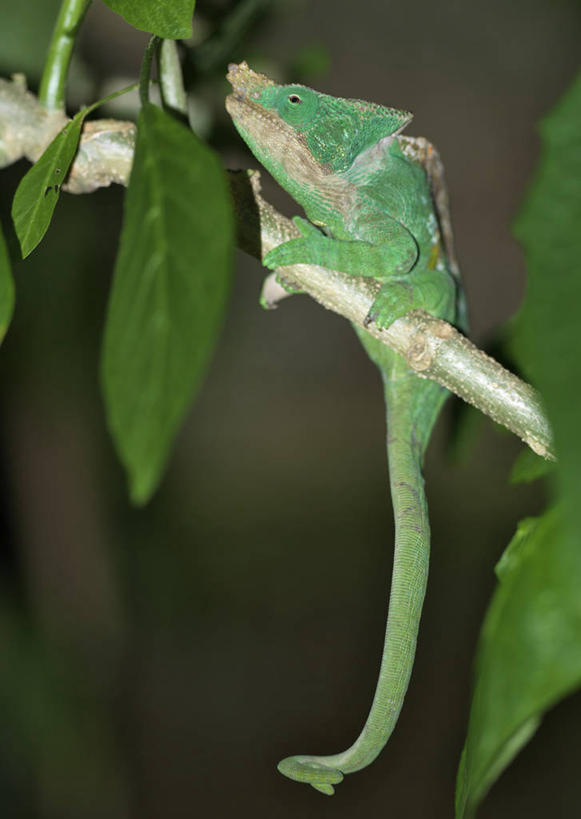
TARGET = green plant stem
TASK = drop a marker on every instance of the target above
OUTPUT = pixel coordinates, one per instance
(145, 75)
(54, 78)
(171, 81)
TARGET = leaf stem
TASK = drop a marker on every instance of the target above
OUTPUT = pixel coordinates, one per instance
(144, 77)
(90, 108)
(171, 81)
(54, 77)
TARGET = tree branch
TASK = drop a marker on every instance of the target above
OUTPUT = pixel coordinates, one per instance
(431, 347)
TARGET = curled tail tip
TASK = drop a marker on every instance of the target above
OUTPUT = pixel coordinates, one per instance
(328, 790)
(311, 772)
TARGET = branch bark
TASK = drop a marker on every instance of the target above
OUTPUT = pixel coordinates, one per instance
(432, 348)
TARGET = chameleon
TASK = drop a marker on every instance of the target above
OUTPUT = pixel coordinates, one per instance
(377, 206)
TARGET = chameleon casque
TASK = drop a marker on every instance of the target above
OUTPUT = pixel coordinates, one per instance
(377, 206)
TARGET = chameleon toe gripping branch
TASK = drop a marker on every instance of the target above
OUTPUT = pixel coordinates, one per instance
(381, 199)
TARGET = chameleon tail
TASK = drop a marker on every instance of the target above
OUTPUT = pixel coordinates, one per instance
(412, 408)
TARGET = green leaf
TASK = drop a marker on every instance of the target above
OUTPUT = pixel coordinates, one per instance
(529, 467)
(171, 19)
(548, 340)
(6, 288)
(39, 189)
(529, 653)
(510, 558)
(168, 296)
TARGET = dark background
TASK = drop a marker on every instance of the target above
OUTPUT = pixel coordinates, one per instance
(159, 662)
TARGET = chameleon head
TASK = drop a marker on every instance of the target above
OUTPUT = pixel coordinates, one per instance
(304, 138)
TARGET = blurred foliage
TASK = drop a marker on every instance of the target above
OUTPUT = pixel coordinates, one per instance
(530, 467)
(24, 36)
(6, 287)
(226, 30)
(529, 655)
(310, 63)
(547, 333)
(45, 722)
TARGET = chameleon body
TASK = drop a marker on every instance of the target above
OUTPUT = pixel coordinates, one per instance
(377, 207)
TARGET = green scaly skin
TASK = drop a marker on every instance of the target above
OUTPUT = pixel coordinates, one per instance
(343, 161)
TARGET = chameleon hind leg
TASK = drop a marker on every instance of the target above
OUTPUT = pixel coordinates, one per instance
(430, 290)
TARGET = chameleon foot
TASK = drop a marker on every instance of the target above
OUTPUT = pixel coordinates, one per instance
(289, 288)
(273, 292)
(301, 250)
(393, 301)
(308, 770)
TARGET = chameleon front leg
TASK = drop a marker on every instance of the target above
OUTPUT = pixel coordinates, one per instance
(389, 262)
(412, 407)
(395, 256)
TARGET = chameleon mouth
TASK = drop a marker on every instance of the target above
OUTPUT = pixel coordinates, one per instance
(250, 117)
(245, 82)
(247, 86)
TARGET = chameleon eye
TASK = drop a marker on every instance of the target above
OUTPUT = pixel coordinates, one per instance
(294, 98)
